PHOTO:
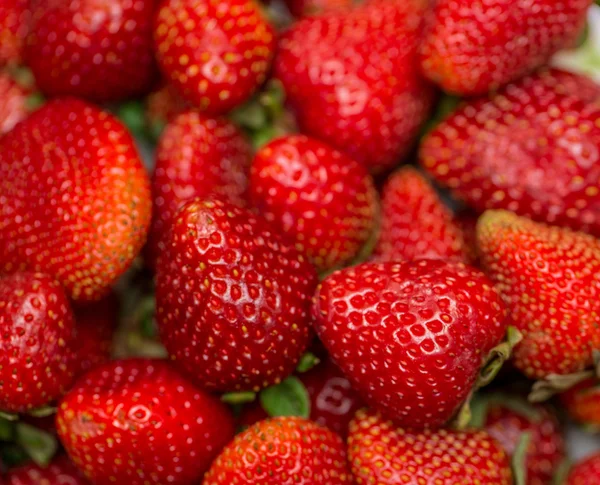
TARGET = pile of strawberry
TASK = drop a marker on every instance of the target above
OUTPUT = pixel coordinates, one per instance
(365, 253)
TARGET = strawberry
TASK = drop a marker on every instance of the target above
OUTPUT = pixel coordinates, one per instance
(352, 79)
(548, 277)
(281, 451)
(14, 19)
(304, 8)
(415, 223)
(37, 346)
(582, 403)
(74, 197)
(324, 200)
(161, 106)
(60, 472)
(380, 453)
(410, 336)
(14, 102)
(196, 156)
(138, 422)
(215, 53)
(586, 472)
(530, 149)
(233, 298)
(475, 47)
(101, 51)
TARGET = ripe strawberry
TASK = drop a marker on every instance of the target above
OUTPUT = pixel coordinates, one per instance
(37, 345)
(410, 336)
(475, 47)
(380, 453)
(196, 156)
(281, 451)
(582, 403)
(304, 8)
(161, 106)
(74, 197)
(531, 149)
(14, 20)
(548, 277)
(101, 51)
(352, 79)
(586, 472)
(233, 298)
(60, 472)
(138, 422)
(215, 53)
(324, 200)
(415, 223)
(13, 102)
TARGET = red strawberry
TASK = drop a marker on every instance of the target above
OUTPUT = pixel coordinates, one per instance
(233, 298)
(324, 200)
(161, 106)
(60, 472)
(411, 336)
(415, 223)
(74, 197)
(14, 19)
(13, 102)
(37, 344)
(281, 451)
(138, 422)
(586, 472)
(215, 53)
(196, 156)
(548, 277)
(582, 403)
(380, 453)
(98, 50)
(475, 47)
(352, 79)
(532, 149)
(304, 8)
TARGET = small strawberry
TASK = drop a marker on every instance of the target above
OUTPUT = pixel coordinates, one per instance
(60, 472)
(411, 336)
(379, 453)
(475, 47)
(37, 345)
(582, 403)
(74, 197)
(138, 422)
(281, 451)
(548, 277)
(215, 53)
(14, 21)
(586, 472)
(14, 100)
(532, 149)
(304, 8)
(161, 106)
(324, 200)
(233, 298)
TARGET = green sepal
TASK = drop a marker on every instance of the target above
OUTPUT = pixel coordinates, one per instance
(307, 362)
(497, 357)
(238, 397)
(9, 416)
(42, 412)
(39, 445)
(132, 115)
(519, 459)
(289, 398)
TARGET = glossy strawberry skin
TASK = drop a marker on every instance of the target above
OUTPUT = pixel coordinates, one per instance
(38, 341)
(352, 80)
(322, 199)
(232, 293)
(282, 451)
(586, 472)
(304, 8)
(470, 47)
(100, 51)
(125, 421)
(226, 54)
(74, 197)
(582, 403)
(14, 19)
(530, 149)
(548, 276)
(61, 471)
(441, 318)
(13, 103)
(380, 453)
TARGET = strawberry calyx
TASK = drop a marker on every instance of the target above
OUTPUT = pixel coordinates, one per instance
(236, 398)
(562, 472)
(307, 362)
(519, 457)
(481, 404)
(30, 442)
(288, 398)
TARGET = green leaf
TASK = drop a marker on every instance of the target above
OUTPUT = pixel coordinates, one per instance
(39, 445)
(519, 459)
(6, 429)
(307, 362)
(42, 412)
(290, 398)
(9, 416)
(238, 397)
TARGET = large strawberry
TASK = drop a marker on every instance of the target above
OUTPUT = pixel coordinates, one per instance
(549, 278)
(233, 298)
(324, 200)
(60, 472)
(282, 451)
(74, 197)
(138, 422)
(410, 336)
(352, 79)
(582, 403)
(531, 148)
(14, 102)
(586, 472)
(14, 23)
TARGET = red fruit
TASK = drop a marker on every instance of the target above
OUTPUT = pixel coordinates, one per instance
(60, 472)
(304, 8)
(215, 53)
(161, 106)
(380, 453)
(281, 451)
(322, 199)
(352, 79)
(411, 336)
(37, 344)
(13, 102)
(548, 277)
(138, 422)
(582, 403)
(415, 222)
(475, 47)
(532, 149)
(233, 298)
(74, 197)
(196, 156)
(98, 50)
(14, 19)
(586, 472)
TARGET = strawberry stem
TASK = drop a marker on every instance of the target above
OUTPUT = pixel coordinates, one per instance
(519, 459)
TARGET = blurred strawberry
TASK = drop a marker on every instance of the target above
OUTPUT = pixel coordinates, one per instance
(14, 22)
(161, 106)
(304, 8)
(582, 403)
(14, 102)
(60, 472)
(586, 472)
